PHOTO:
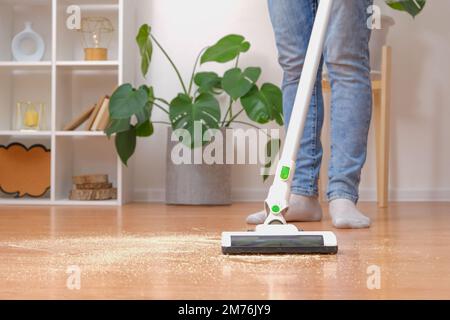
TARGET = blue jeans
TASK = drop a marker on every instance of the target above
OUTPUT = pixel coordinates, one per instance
(346, 54)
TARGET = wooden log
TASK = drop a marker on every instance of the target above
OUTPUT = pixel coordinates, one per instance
(92, 186)
(93, 178)
(92, 195)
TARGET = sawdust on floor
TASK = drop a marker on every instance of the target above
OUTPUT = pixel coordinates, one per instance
(190, 255)
(149, 263)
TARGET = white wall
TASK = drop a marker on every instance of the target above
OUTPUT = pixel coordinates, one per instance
(420, 151)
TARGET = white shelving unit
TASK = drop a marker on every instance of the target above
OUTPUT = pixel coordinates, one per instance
(67, 85)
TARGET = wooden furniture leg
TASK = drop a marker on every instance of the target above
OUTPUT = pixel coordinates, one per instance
(382, 108)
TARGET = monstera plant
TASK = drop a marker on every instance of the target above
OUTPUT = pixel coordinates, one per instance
(413, 7)
(131, 108)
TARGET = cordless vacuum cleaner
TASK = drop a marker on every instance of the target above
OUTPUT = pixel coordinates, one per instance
(275, 236)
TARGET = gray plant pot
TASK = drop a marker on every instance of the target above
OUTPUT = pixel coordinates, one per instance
(197, 184)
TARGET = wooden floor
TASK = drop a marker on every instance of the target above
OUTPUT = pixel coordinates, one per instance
(163, 252)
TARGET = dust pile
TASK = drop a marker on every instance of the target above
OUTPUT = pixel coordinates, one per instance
(132, 256)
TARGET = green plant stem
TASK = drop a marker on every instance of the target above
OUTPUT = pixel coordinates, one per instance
(234, 118)
(225, 117)
(229, 111)
(161, 108)
(230, 107)
(161, 122)
(163, 101)
(196, 93)
(191, 82)
(172, 63)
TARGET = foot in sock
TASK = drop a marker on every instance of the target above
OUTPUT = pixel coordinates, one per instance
(345, 215)
(301, 209)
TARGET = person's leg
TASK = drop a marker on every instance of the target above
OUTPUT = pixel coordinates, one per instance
(292, 22)
(347, 58)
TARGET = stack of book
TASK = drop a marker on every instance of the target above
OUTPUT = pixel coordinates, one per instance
(96, 117)
(92, 187)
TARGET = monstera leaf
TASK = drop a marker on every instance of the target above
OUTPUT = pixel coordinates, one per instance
(265, 104)
(145, 47)
(237, 83)
(117, 126)
(226, 49)
(184, 113)
(126, 144)
(127, 101)
(413, 7)
(145, 129)
(208, 82)
(143, 115)
(130, 111)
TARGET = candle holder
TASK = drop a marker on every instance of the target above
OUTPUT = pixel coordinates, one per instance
(96, 36)
(30, 117)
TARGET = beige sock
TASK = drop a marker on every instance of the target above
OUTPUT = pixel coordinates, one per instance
(345, 215)
(301, 209)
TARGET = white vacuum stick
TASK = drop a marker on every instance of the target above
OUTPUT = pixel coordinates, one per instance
(277, 201)
(275, 235)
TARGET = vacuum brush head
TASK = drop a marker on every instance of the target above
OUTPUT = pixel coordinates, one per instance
(279, 239)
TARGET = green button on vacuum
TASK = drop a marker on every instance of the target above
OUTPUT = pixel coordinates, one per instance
(275, 209)
(285, 171)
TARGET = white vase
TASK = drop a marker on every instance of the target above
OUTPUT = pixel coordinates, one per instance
(28, 34)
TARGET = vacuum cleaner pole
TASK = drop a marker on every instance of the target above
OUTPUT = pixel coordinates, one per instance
(275, 236)
(277, 201)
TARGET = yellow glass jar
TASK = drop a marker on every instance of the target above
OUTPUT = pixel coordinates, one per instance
(30, 117)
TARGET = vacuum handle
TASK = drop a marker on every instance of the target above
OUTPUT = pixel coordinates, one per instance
(278, 199)
(307, 81)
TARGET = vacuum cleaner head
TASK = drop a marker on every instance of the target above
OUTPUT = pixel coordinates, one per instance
(279, 239)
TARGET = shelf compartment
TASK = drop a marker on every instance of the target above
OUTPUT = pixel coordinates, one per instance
(25, 202)
(19, 64)
(67, 85)
(78, 89)
(70, 46)
(14, 14)
(24, 83)
(67, 202)
(80, 134)
(83, 156)
(86, 65)
(91, 5)
(25, 134)
(27, 141)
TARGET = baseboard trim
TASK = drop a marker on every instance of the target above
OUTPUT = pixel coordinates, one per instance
(255, 195)
(409, 195)
(149, 195)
